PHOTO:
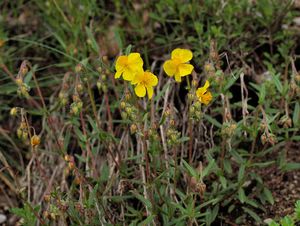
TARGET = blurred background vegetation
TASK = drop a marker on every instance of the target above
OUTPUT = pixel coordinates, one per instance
(88, 169)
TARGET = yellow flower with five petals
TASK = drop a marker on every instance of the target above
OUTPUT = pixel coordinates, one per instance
(204, 96)
(144, 81)
(129, 66)
(178, 65)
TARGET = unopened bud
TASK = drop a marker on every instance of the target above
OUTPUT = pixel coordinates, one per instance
(78, 68)
(35, 141)
(133, 128)
(123, 105)
(13, 111)
(19, 81)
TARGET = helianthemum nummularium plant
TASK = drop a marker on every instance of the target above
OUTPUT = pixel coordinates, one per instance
(178, 65)
(129, 66)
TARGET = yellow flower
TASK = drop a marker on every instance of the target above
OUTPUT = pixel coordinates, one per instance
(203, 95)
(177, 66)
(129, 66)
(144, 81)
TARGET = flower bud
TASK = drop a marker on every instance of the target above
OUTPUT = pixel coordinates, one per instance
(71, 165)
(19, 81)
(35, 141)
(103, 77)
(19, 133)
(133, 128)
(99, 84)
(123, 105)
(67, 158)
(24, 135)
(78, 68)
(13, 111)
(124, 115)
(24, 70)
(79, 88)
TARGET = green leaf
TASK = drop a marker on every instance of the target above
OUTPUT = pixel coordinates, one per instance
(128, 49)
(241, 173)
(93, 42)
(147, 220)
(291, 166)
(296, 114)
(212, 121)
(252, 214)
(268, 195)
(145, 201)
(80, 134)
(242, 196)
(190, 169)
(208, 168)
(287, 221)
(278, 84)
(297, 209)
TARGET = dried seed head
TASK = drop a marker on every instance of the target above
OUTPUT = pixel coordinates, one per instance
(47, 198)
(46, 214)
(172, 122)
(263, 138)
(71, 165)
(24, 70)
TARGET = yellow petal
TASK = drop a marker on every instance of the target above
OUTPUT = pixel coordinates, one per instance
(151, 79)
(184, 55)
(206, 98)
(118, 74)
(170, 67)
(138, 77)
(135, 59)
(177, 77)
(140, 90)
(206, 85)
(200, 92)
(128, 75)
(150, 92)
(121, 63)
(185, 69)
